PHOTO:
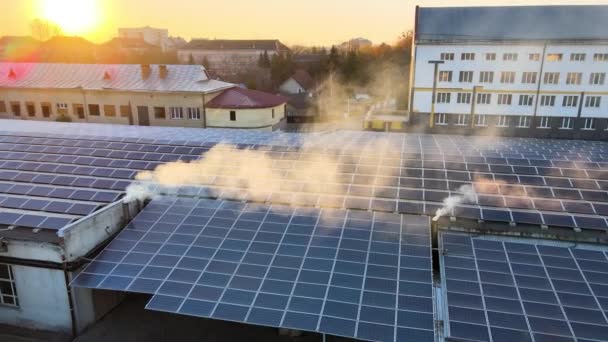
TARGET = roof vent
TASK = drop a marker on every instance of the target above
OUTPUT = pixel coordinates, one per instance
(146, 70)
(163, 71)
(12, 74)
(107, 76)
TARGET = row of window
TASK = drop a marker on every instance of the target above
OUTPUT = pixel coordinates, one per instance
(572, 78)
(515, 121)
(551, 57)
(524, 100)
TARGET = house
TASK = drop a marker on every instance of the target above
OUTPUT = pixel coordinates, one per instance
(128, 94)
(245, 108)
(531, 71)
(153, 36)
(355, 44)
(228, 58)
(301, 108)
(299, 82)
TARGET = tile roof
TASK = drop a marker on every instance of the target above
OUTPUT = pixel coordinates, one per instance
(239, 98)
(512, 23)
(122, 77)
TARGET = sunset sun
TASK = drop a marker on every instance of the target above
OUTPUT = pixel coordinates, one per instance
(73, 16)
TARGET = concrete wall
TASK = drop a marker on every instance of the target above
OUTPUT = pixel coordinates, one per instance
(260, 118)
(43, 300)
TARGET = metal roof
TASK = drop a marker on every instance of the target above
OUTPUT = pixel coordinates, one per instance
(239, 98)
(512, 23)
(227, 44)
(117, 77)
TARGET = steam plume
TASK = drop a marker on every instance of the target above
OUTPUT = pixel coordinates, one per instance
(467, 194)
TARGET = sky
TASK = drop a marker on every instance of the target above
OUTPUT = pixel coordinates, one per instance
(308, 22)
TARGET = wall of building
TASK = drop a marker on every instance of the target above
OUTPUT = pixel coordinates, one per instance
(153, 36)
(258, 118)
(43, 300)
(424, 72)
(132, 100)
(291, 87)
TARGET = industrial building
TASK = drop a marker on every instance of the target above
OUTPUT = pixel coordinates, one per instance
(338, 242)
(533, 71)
(144, 95)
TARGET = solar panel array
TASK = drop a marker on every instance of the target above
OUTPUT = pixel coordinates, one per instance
(555, 183)
(501, 289)
(348, 273)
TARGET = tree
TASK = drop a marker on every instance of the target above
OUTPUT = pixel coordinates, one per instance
(333, 60)
(206, 63)
(44, 29)
(282, 67)
(264, 60)
(190, 59)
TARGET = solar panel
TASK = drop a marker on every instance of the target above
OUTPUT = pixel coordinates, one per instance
(519, 290)
(349, 273)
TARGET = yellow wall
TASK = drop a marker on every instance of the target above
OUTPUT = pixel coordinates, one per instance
(245, 118)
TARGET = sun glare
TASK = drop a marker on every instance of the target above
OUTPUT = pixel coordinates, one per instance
(73, 16)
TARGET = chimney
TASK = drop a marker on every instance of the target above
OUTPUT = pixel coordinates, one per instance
(146, 70)
(163, 71)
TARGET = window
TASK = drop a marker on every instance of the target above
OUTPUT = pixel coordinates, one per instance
(79, 110)
(444, 56)
(30, 108)
(465, 76)
(600, 57)
(503, 121)
(2, 107)
(509, 57)
(567, 123)
(62, 106)
(16, 108)
(597, 78)
(490, 56)
(545, 122)
(462, 120)
(441, 119)
(445, 76)
(486, 76)
(463, 98)
(484, 98)
(443, 97)
(505, 99)
(232, 115)
(8, 289)
(480, 120)
(160, 113)
(94, 110)
(507, 77)
(554, 57)
(551, 78)
(526, 100)
(570, 101)
(547, 100)
(534, 57)
(467, 56)
(593, 101)
(194, 113)
(574, 78)
(577, 57)
(273, 113)
(125, 111)
(177, 113)
(46, 109)
(523, 122)
(589, 124)
(528, 77)
(109, 110)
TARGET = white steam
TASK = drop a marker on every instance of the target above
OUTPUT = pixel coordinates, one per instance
(467, 194)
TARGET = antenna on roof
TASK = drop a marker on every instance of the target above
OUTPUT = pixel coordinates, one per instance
(12, 74)
(107, 76)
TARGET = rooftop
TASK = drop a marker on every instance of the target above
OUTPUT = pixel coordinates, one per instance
(239, 98)
(578, 22)
(227, 44)
(112, 77)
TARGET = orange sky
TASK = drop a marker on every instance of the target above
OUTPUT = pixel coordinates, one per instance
(308, 22)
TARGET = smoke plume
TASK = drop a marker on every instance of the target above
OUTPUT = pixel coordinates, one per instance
(466, 194)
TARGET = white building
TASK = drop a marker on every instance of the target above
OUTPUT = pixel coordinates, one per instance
(535, 70)
(153, 36)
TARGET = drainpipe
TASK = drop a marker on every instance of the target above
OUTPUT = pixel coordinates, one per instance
(66, 277)
(580, 106)
(85, 108)
(204, 112)
(540, 77)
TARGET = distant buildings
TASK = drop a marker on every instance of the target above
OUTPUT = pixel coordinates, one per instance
(228, 57)
(300, 90)
(153, 36)
(145, 95)
(299, 82)
(355, 44)
(524, 71)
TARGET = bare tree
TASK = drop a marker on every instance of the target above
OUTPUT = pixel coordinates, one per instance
(44, 29)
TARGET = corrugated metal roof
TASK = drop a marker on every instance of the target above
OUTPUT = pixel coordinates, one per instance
(245, 98)
(119, 77)
(512, 23)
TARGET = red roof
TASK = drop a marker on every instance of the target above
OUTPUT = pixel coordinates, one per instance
(304, 79)
(237, 98)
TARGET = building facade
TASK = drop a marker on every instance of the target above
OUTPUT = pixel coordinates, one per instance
(530, 72)
(147, 95)
(153, 36)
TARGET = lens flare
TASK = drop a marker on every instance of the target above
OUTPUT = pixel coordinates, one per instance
(75, 17)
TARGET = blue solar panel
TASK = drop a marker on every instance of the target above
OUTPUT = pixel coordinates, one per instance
(515, 290)
(356, 274)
